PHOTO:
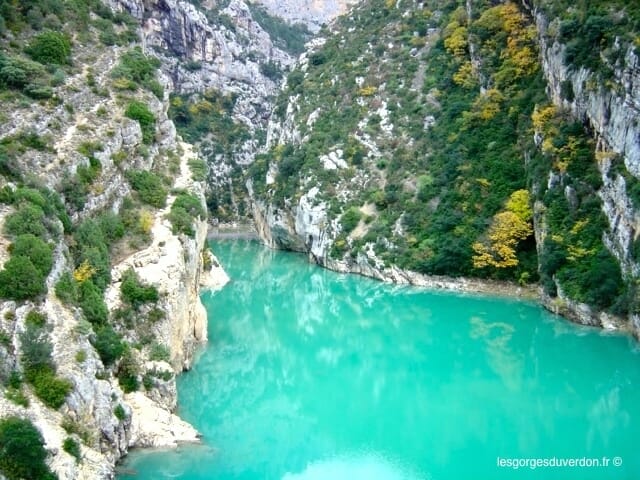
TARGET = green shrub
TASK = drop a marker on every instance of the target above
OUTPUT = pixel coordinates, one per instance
(36, 351)
(149, 187)
(81, 356)
(72, 447)
(350, 219)
(17, 396)
(159, 352)
(67, 289)
(50, 389)
(135, 292)
(92, 303)
(26, 75)
(32, 247)
(29, 218)
(111, 226)
(92, 247)
(198, 169)
(21, 280)
(128, 373)
(140, 111)
(186, 207)
(35, 319)
(50, 48)
(136, 67)
(119, 412)
(108, 344)
(22, 453)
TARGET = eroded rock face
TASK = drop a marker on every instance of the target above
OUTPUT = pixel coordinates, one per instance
(611, 109)
(312, 13)
(201, 53)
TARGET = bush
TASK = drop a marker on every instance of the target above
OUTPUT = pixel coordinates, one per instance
(21, 280)
(38, 365)
(32, 247)
(92, 303)
(149, 187)
(198, 169)
(67, 289)
(139, 111)
(15, 72)
(22, 453)
(128, 373)
(36, 351)
(350, 219)
(185, 208)
(135, 292)
(136, 67)
(119, 412)
(29, 218)
(108, 344)
(111, 226)
(35, 319)
(72, 447)
(50, 48)
(159, 352)
(50, 389)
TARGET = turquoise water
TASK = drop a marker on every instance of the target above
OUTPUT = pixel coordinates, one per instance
(313, 375)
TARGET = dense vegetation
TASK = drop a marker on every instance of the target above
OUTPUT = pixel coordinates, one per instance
(433, 111)
(22, 453)
(431, 186)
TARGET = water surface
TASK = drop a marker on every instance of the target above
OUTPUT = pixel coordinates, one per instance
(313, 375)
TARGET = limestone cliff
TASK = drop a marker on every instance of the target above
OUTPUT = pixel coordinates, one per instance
(313, 13)
(87, 147)
(610, 109)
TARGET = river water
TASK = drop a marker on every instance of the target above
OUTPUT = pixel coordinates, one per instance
(312, 375)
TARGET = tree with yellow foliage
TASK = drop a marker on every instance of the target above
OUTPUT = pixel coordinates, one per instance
(84, 272)
(507, 229)
(456, 43)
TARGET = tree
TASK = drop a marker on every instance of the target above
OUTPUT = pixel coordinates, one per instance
(22, 453)
(506, 230)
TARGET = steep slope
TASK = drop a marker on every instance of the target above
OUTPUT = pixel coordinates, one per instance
(418, 138)
(103, 234)
(225, 67)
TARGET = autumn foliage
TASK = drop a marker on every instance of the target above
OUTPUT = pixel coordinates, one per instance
(507, 229)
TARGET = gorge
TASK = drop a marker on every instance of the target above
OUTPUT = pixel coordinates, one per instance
(471, 145)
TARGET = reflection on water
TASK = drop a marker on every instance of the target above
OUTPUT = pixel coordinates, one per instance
(305, 366)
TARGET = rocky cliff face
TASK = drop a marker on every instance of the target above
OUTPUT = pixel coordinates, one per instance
(610, 109)
(313, 13)
(219, 48)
